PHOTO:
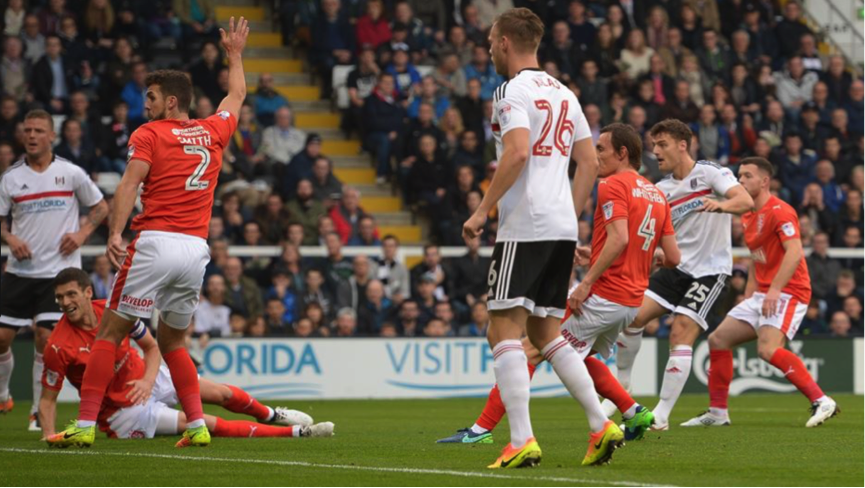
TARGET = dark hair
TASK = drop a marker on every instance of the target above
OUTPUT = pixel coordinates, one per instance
(391, 237)
(761, 163)
(40, 114)
(172, 83)
(674, 128)
(622, 135)
(522, 27)
(69, 275)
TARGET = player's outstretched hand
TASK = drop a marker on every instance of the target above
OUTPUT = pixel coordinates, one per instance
(115, 251)
(474, 226)
(575, 301)
(711, 205)
(140, 391)
(234, 40)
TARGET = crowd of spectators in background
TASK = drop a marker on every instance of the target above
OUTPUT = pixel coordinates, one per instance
(748, 77)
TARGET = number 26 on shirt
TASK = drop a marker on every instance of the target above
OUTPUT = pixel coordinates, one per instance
(563, 124)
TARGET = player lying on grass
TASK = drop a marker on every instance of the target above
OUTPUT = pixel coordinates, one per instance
(778, 293)
(139, 401)
(631, 219)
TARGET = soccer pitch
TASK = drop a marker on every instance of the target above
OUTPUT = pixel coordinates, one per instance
(393, 443)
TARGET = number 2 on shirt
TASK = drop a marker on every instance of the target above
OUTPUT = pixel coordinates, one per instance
(563, 124)
(194, 183)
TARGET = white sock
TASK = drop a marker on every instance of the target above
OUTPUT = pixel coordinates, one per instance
(270, 415)
(195, 424)
(630, 341)
(7, 364)
(83, 424)
(38, 366)
(718, 412)
(675, 376)
(822, 399)
(477, 429)
(629, 413)
(512, 376)
(571, 369)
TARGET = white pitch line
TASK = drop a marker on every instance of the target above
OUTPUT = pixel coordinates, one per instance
(443, 472)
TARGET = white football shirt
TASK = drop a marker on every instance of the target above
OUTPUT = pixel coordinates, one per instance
(44, 207)
(539, 206)
(704, 238)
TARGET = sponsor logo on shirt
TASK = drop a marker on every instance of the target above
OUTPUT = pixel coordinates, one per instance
(194, 136)
(758, 255)
(51, 377)
(224, 115)
(505, 114)
(686, 209)
(608, 210)
(43, 205)
(135, 303)
(788, 229)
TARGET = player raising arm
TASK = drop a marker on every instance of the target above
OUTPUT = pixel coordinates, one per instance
(140, 401)
(178, 161)
(777, 296)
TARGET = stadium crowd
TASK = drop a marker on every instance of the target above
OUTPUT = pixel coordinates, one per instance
(745, 74)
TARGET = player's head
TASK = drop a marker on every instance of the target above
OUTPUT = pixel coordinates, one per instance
(73, 291)
(169, 93)
(38, 133)
(517, 32)
(619, 148)
(755, 174)
(671, 142)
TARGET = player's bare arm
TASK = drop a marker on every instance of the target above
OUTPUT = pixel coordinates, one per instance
(48, 411)
(513, 160)
(617, 242)
(793, 254)
(18, 247)
(671, 254)
(142, 388)
(737, 202)
(751, 284)
(584, 154)
(124, 200)
(233, 41)
(71, 242)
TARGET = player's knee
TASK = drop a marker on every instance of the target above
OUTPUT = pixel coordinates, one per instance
(766, 351)
(717, 342)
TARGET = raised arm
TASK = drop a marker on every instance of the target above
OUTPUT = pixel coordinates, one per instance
(233, 41)
(587, 171)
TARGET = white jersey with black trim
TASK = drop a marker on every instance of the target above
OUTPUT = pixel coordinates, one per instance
(704, 238)
(539, 206)
(44, 207)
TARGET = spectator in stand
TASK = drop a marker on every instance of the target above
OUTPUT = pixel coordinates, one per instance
(133, 94)
(234, 215)
(367, 234)
(7, 156)
(383, 115)
(714, 144)
(361, 82)
(796, 166)
(459, 44)
(673, 52)
(203, 107)
(245, 145)
(337, 267)
(426, 296)
(794, 86)
(741, 137)
(855, 106)
(303, 327)
(115, 141)
(347, 214)
(471, 108)
(99, 25)
(698, 82)
(255, 328)
(102, 278)
(89, 120)
(373, 28)
(467, 154)
(14, 69)
(593, 90)
(850, 214)
(468, 275)
(813, 323)
(563, 50)
(824, 271)
(431, 266)
(375, 310)
(824, 104)
(197, 19)
(411, 134)
(206, 71)
(281, 290)
(34, 41)
(300, 166)
(833, 195)
(118, 70)
(272, 218)
(333, 42)
(635, 57)
(815, 208)
(346, 322)
(840, 324)
(475, 31)
(409, 322)
(482, 69)
(326, 187)
(480, 321)
(773, 128)
(428, 182)
(241, 293)
(853, 309)
(212, 314)
(813, 133)
(449, 76)
(444, 311)
(274, 318)
(762, 38)
(837, 80)
(267, 100)
(593, 118)
(52, 78)
(714, 57)
(391, 271)
(218, 256)
(662, 84)
(74, 148)
(416, 38)
(790, 29)
(436, 327)
(637, 119)
(305, 210)
(316, 293)
(429, 93)
(845, 286)
(741, 50)
(281, 141)
(680, 106)
(432, 14)
(811, 57)
(325, 227)
(13, 18)
(404, 72)
(351, 292)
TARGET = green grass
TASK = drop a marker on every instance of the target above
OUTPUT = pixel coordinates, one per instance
(767, 445)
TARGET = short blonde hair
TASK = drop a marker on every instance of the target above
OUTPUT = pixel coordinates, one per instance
(522, 27)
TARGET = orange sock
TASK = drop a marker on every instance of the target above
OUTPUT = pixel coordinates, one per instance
(795, 372)
(242, 402)
(607, 386)
(97, 376)
(494, 410)
(245, 428)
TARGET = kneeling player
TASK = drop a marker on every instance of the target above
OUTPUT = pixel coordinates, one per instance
(139, 400)
(778, 291)
(631, 218)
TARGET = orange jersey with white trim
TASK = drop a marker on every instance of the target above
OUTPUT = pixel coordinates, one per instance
(629, 196)
(765, 232)
(68, 349)
(185, 158)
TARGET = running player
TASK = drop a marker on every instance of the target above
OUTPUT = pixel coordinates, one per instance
(140, 400)
(702, 195)
(42, 194)
(178, 160)
(538, 126)
(778, 292)
(631, 219)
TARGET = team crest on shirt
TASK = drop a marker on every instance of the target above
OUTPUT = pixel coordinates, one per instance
(694, 183)
(51, 377)
(505, 114)
(224, 115)
(59, 180)
(788, 229)
(608, 210)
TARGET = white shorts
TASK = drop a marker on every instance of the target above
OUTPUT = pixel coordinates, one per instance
(156, 417)
(790, 313)
(163, 270)
(598, 327)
